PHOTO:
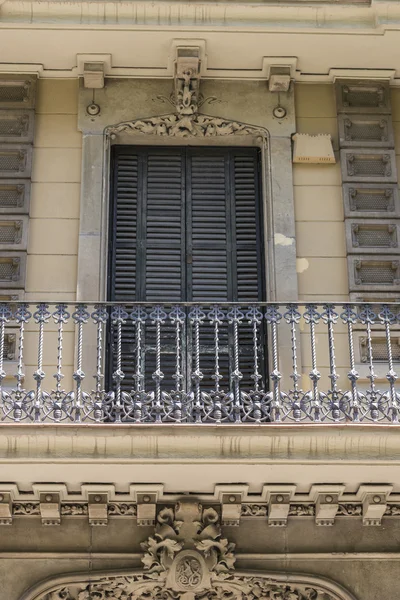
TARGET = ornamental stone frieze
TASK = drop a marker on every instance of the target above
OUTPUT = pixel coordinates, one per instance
(181, 125)
(187, 558)
(149, 505)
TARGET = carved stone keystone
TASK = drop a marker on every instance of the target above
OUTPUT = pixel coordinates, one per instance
(187, 559)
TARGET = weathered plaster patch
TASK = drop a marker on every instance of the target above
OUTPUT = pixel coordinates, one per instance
(283, 240)
(302, 265)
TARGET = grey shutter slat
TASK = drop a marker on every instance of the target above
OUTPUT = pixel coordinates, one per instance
(208, 225)
(164, 239)
(247, 227)
(124, 226)
(248, 251)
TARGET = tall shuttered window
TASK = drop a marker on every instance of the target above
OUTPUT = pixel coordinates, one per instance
(185, 226)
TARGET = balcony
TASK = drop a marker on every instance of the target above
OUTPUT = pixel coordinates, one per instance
(228, 364)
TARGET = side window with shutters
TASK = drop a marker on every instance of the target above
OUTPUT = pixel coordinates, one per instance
(185, 226)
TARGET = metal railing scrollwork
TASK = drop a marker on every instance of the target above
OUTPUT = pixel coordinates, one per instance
(189, 363)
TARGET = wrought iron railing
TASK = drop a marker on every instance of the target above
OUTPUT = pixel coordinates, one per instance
(188, 363)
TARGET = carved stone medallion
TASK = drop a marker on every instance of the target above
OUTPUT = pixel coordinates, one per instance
(188, 572)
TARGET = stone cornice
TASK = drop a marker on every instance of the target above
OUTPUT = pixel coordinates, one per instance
(180, 443)
(189, 457)
(323, 14)
(298, 30)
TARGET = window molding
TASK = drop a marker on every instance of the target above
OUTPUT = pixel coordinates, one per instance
(123, 106)
(277, 193)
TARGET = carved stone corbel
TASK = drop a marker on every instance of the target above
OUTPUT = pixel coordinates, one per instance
(374, 507)
(187, 80)
(231, 509)
(50, 508)
(146, 508)
(5, 508)
(97, 508)
(278, 510)
(326, 508)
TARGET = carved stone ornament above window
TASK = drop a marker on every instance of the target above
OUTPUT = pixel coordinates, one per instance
(188, 559)
(186, 100)
(177, 125)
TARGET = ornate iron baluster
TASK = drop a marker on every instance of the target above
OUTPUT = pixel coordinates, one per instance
(235, 317)
(216, 405)
(312, 317)
(388, 318)
(158, 316)
(57, 405)
(196, 317)
(297, 400)
(273, 318)
(255, 402)
(98, 405)
(141, 401)
(368, 317)
(118, 317)
(349, 318)
(18, 403)
(5, 316)
(139, 316)
(80, 317)
(41, 316)
(330, 318)
(175, 402)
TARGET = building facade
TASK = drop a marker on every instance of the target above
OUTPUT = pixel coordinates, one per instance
(199, 318)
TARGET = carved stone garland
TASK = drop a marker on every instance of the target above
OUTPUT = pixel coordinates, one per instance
(188, 559)
(175, 125)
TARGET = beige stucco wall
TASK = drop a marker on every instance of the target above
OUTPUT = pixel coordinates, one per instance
(320, 230)
(395, 97)
(320, 234)
(54, 213)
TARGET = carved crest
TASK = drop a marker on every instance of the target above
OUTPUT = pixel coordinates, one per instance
(188, 526)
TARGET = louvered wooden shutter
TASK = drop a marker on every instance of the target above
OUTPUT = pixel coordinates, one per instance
(123, 226)
(223, 228)
(186, 226)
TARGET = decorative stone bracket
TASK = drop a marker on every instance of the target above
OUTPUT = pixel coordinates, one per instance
(187, 80)
(277, 504)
